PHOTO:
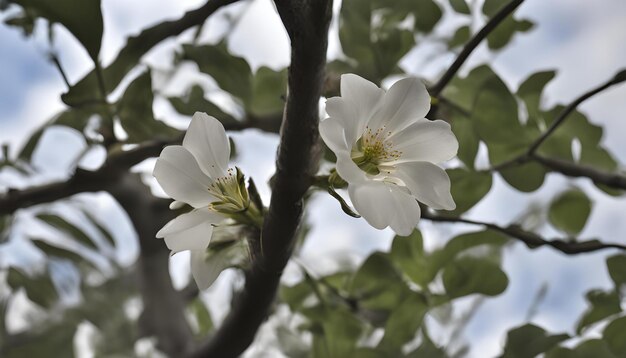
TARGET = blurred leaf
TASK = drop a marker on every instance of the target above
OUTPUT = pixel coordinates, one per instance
(526, 178)
(67, 228)
(295, 295)
(569, 211)
(617, 270)
(377, 285)
(529, 340)
(135, 112)
(403, 323)
(461, 36)
(468, 140)
(468, 275)
(23, 20)
(58, 341)
(106, 234)
(39, 289)
(460, 6)
(468, 188)
(339, 332)
(463, 90)
(592, 348)
(60, 252)
(82, 18)
(269, 88)
(195, 101)
(292, 343)
(531, 90)
(615, 336)
(231, 73)
(5, 227)
(602, 305)
(505, 31)
(203, 317)
(408, 253)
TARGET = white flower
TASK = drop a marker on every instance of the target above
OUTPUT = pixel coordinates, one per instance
(386, 150)
(197, 174)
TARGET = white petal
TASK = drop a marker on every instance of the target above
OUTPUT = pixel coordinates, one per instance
(348, 170)
(175, 205)
(191, 231)
(206, 140)
(364, 97)
(206, 269)
(178, 173)
(332, 134)
(428, 183)
(346, 115)
(405, 102)
(385, 204)
(426, 141)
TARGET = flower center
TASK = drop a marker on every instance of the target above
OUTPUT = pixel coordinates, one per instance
(231, 193)
(373, 149)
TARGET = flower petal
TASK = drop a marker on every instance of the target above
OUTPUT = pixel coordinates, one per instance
(385, 204)
(406, 101)
(178, 173)
(428, 183)
(190, 231)
(348, 170)
(332, 134)
(206, 269)
(364, 98)
(426, 141)
(206, 140)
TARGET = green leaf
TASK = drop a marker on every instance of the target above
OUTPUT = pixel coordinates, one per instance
(82, 18)
(468, 275)
(231, 73)
(427, 14)
(460, 6)
(602, 305)
(468, 188)
(5, 227)
(195, 101)
(528, 341)
(39, 289)
(526, 178)
(460, 37)
(295, 295)
(202, 315)
(135, 112)
(464, 131)
(615, 336)
(106, 234)
(407, 252)
(377, 284)
(505, 31)
(340, 331)
(269, 90)
(403, 323)
(60, 252)
(531, 90)
(617, 270)
(569, 211)
(463, 91)
(67, 228)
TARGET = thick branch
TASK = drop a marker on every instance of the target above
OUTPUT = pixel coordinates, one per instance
(576, 170)
(531, 239)
(491, 25)
(115, 165)
(163, 313)
(307, 23)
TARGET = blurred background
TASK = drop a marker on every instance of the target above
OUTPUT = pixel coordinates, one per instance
(582, 41)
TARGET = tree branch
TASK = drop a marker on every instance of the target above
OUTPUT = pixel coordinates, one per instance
(116, 164)
(531, 239)
(306, 22)
(491, 25)
(576, 170)
(562, 116)
(163, 313)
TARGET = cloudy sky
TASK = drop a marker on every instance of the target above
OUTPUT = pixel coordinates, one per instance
(582, 40)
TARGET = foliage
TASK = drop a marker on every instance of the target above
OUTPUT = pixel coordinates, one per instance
(385, 306)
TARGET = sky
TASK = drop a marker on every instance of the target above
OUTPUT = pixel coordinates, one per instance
(582, 40)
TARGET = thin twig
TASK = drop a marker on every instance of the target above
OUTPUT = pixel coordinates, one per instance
(500, 16)
(560, 119)
(531, 239)
(55, 59)
(612, 180)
